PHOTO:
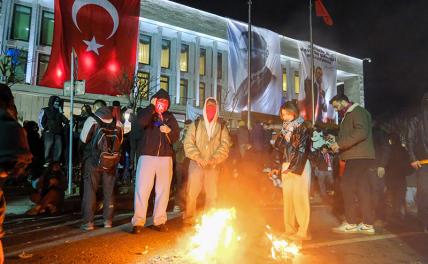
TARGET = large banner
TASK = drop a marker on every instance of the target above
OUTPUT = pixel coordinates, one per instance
(325, 63)
(104, 35)
(266, 80)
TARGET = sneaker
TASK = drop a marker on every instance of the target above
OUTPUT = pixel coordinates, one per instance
(160, 228)
(366, 229)
(137, 230)
(87, 227)
(346, 228)
(108, 224)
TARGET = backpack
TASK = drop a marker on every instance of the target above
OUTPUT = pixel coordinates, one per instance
(106, 144)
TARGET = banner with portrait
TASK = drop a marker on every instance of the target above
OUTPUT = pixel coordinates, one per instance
(325, 73)
(266, 74)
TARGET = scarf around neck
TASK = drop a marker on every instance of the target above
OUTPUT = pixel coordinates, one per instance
(288, 127)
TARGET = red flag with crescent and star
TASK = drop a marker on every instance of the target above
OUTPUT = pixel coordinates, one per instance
(104, 35)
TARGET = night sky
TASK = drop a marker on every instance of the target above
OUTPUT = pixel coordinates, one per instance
(394, 33)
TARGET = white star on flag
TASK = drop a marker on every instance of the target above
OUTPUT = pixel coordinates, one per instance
(93, 45)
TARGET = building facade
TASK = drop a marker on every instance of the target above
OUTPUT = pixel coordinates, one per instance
(180, 49)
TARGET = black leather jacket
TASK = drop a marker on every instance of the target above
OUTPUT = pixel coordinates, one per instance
(296, 152)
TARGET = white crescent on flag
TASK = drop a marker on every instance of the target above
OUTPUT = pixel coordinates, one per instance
(109, 7)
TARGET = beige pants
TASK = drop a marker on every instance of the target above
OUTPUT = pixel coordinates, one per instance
(295, 191)
(200, 178)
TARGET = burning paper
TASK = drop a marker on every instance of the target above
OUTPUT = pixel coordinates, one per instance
(281, 249)
(215, 236)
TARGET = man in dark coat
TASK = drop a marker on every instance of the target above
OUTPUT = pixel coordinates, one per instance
(160, 131)
(418, 152)
(53, 121)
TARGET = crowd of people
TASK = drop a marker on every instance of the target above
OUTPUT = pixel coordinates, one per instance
(357, 167)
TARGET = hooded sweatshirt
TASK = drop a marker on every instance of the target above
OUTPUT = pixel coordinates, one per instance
(54, 118)
(154, 142)
(418, 133)
(206, 140)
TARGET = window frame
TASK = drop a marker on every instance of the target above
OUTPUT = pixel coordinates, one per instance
(12, 29)
(183, 99)
(42, 31)
(146, 98)
(169, 53)
(167, 82)
(202, 98)
(38, 76)
(140, 42)
(187, 57)
(202, 54)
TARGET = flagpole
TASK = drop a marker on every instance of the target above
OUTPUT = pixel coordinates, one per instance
(70, 146)
(249, 66)
(312, 62)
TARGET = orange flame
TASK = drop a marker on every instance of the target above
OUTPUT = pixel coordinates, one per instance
(215, 236)
(281, 249)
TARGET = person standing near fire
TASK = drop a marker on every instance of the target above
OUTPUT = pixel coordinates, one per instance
(161, 131)
(206, 144)
(296, 172)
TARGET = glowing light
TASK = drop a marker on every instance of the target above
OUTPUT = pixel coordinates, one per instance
(88, 61)
(281, 249)
(113, 67)
(215, 236)
(58, 73)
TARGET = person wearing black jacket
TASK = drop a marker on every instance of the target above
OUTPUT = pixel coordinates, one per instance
(15, 153)
(53, 122)
(418, 152)
(296, 172)
(161, 131)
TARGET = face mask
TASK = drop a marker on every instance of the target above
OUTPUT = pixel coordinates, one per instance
(161, 106)
(211, 111)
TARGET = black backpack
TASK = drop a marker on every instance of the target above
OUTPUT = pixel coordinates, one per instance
(106, 144)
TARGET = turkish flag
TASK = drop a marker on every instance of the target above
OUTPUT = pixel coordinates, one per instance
(321, 11)
(104, 34)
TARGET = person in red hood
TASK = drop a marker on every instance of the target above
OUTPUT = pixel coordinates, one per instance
(206, 144)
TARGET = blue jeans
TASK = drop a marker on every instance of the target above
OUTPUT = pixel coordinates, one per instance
(324, 178)
(53, 146)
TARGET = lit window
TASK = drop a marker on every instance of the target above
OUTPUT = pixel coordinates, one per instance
(219, 65)
(184, 58)
(47, 29)
(165, 55)
(21, 23)
(284, 81)
(201, 94)
(296, 82)
(144, 50)
(183, 91)
(42, 66)
(164, 82)
(202, 61)
(143, 84)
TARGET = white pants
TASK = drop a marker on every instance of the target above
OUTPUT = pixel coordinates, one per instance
(198, 178)
(147, 168)
(295, 191)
